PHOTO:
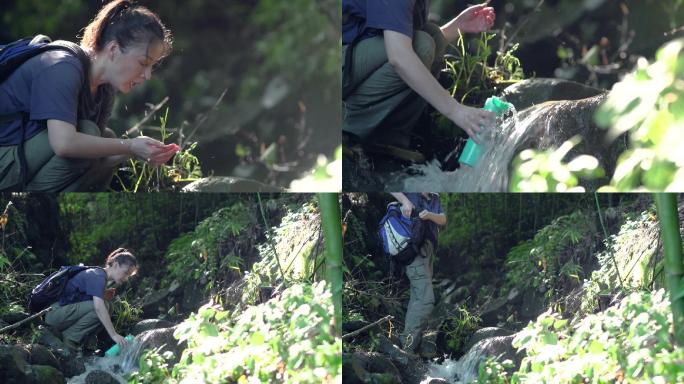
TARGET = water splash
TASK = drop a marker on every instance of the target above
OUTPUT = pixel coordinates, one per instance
(118, 366)
(491, 172)
(463, 370)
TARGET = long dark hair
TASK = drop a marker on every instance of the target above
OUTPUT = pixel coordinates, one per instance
(122, 256)
(128, 24)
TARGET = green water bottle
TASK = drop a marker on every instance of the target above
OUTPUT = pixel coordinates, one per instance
(114, 350)
(472, 150)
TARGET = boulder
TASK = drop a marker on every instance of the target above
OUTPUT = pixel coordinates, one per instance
(372, 367)
(514, 296)
(493, 310)
(44, 374)
(148, 324)
(229, 184)
(486, 333)
(40, 355)
(153, 302)
(12, 365)
(527, 93)
(532, 305)
(100, 377)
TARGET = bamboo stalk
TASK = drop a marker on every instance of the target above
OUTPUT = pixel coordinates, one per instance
(666, 204)
(332, 230)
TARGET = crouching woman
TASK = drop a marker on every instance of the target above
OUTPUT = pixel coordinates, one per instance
(81, 309)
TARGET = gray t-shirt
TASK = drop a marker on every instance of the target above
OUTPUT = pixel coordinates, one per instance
(85, 285)
(47, 86)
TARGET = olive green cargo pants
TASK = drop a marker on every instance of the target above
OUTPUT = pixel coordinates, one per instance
(422, 299)
(47, 172)
(380, 98)
(75, 321)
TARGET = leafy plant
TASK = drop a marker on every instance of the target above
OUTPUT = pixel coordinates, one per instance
(458, 324)
(140, 176)
(493, 372)
(202, 255)
(288, 339)
(123, 313)
(631, 340)
(545, 171)
(547, 258)
(153, 367)
(648, 105)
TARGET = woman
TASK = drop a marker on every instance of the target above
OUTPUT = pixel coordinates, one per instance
(419, 272)
(66, 144)
(82, 309)
(391, 57)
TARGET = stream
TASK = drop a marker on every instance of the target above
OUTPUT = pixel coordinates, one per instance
(491, 172)
(463, 370)
(127, 361)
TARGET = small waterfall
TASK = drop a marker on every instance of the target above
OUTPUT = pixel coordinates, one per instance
(118, 366)
(490, 174)
(463, 370)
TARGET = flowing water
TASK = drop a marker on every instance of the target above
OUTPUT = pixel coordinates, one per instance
(491, 172)
(127, 361)
(117, 366)
(463, 370)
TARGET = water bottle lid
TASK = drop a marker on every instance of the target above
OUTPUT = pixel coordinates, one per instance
(496, 105)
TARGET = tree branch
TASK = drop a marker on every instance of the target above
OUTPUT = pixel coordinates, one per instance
(19, 323)
(360, 330)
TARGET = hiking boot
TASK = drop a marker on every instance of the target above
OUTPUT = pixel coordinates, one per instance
(73, 348)
(428, 345)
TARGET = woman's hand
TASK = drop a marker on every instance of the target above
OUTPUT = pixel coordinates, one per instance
(476, 18)
(472, 120)
(151, 150)
(406, 208)
(424, 214)
(120, 340)
(109, 294)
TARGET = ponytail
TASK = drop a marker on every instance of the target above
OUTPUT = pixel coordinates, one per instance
(122, 256)
(126, 23)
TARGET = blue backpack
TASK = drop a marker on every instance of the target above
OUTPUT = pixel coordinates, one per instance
(12, 56)
(401, 236)
(52, 288)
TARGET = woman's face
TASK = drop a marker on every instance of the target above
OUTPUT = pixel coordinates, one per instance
(121, 272)
(132, 66)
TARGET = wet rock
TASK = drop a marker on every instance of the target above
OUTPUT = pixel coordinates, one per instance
(44, 374)
(12, 365)
(40, 355)
(554, 122)
(148, 324)
(435, 381)
(100, 377)
(153, 303)
(193, 297)
(428, 345)
(48, 338)
(229, 184)
(71, 365)
(457, 295)
(532, 306)
(527, 93)
(486, 333)
(161, 339)
(514, 296)
(493, 311)
(362, 367)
